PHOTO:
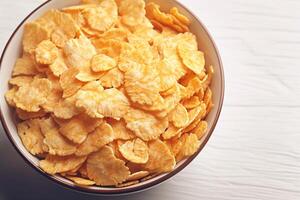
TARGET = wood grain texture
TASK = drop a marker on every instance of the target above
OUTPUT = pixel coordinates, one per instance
(254, 152)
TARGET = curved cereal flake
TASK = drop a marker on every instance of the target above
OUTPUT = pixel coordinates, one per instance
(78, 128)
(105, 169)
(81, 181)
(102, 17)
(34, 33)
(86, 74)
(62, 108)
(120, 130)
(160, 158)
(31, 136)
(46, 52)
(192, 102)
(9, 96)
(190, 145)
(144, 125)
(20, 80)
(142, 84)
(87, 99)
(137, 175)
(102, 62)
(96, 140)
(79, 52)
(58, 67)
(167, 75)
(25, 66)
(57, 164)
(194, 60)
(36, 95)
(182, 18)
(179, 116)
(114, 78)
(111, 47)
(116, 34)
(200, 129)
(132, 12)
(55, 142)
(79, 8)
(195, 116)
(24, 115)
(171, 132)
(113, 103)
(136, 151)
(193, 87)
(69, 83)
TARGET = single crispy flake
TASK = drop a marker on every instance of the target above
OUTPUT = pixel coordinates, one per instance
(105, 169)
(135, 151)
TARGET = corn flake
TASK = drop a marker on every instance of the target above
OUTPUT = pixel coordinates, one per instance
(96, 140)
(55, 142)
(25, 66)
(190, 144)
(31, 136)
(144, 125)
(105, 169)
(36, 95)
(102, 62)
(160, 158)
(46, 52)
(135, 151)
(57, 164)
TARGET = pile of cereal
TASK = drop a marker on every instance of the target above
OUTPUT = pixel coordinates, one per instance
(110, 92)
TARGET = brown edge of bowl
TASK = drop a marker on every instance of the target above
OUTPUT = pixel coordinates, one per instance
(120, 191)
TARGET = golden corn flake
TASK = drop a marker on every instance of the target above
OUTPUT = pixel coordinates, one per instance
(116, 34)
(24, 115)
(86, 74)
(105, 169)
(31, 136)
(58, 67)
(46, 52)
(160, 158)
(87, 99)
(20, 80)
(79, 7)
(182, 18)
(102, 17)
(144, 125)
(114, 104)
(69, 83)
(192, 102)
(111, 47)
(190, 144)
(36, 95)
(81, 181)
(25, 66)
(78, 128)
(120, 131)
(57, 164)
(114, 78)
(34, 33)
(132, 12)
(201, 129)
(127, 184)
(142, 84)
(102, 62)
(194, 86)
(79, 52)
(195, 116)
(137, 175)
(9, 96)
(135, 151)
(55, 142)
(179, 116)
(194, 60)
(96, 140)
(62, 108)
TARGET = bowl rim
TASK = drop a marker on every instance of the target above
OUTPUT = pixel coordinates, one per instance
(120, 191)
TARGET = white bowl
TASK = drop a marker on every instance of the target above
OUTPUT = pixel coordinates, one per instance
(13, 50)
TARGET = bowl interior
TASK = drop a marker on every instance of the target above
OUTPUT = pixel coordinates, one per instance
(13, 51)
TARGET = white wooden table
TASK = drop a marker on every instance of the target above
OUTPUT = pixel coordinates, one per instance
(254, 152)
